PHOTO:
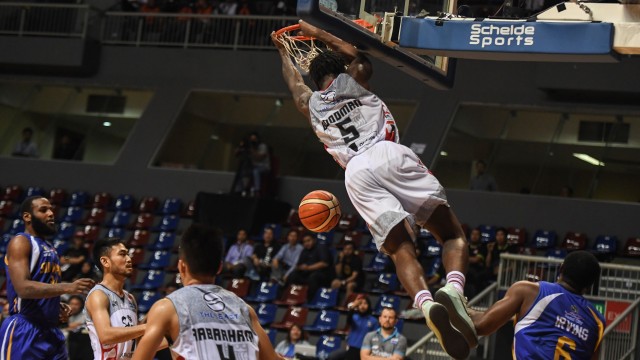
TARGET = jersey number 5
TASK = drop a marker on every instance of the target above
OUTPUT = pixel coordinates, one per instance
(349, 133)
(561, 353)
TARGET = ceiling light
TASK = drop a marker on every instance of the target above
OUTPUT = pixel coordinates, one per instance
(591, 160)
(443, 153)
(106, 123)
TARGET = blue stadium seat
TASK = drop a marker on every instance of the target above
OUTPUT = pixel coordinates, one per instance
(487, 233)
(34, 191)
(66, 230)
(168, 223)
(271, 334)
(116, 233)
(326, 345)
(16, 226)
(324, 298)
(152, 280)
(147, 299)
(265, 292)
(430, 248)
(325, 238)
(171, 206)
(544, 239)
(4, 242)
(266, 313)
(165, 241)
(325, 321)
(386, 282)
(120, 219)
(79, 198)
(606, 244)
(369, 244)
(386, 300)
(556, 253)
(123, 202)
(378, 263)
(158, 260)
(73, 214)
(61, 245)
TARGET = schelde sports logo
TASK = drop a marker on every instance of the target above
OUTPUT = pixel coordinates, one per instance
(214, 302)
(494, 35)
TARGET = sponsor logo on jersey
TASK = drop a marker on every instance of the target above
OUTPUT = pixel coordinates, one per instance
(502, 35)
(213, 301)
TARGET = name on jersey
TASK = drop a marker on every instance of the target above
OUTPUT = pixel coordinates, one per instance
(215, 334)
(341, 113)
(569, 326)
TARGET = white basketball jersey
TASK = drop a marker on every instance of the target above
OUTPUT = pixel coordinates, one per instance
(348, 119)
(123, 312)
(214, 324)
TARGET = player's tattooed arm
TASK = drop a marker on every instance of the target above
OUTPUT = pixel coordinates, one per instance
(300, 91)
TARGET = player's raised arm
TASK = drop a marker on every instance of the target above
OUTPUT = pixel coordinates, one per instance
(97, 306)
(18, 260)
(502, 311)
(162, 321)
(300, 91)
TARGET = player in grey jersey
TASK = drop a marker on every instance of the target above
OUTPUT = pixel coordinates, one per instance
(111, 312)
(386, 181)
(202, 320)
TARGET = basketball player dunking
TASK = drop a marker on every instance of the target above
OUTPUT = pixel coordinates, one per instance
(386, 182)
(202, 320)
(34, 288)
(111, 312)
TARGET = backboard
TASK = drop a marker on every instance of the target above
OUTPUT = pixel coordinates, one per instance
(337, 17)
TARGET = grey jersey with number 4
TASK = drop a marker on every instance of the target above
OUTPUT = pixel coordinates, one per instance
(123, 312)
(214, 324)
(349, 119)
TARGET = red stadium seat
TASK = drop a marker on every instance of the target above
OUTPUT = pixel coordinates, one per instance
(632, 248)
(96, 216)
(91, 233)
(58, 197)
(143, 221)
(574, 241)
(354, 237)
(348, 222)
(139, 239)
(12, 193)
(240, 287)
(148, 204)
(137, 256)
(294, 315)
(516, 236)
(7, 209)
(293, 295)
(101, 200)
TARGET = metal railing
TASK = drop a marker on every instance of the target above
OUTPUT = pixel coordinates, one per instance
(55, 20)
(191, 30)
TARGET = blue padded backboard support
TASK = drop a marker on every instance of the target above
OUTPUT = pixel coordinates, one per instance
(368, 42)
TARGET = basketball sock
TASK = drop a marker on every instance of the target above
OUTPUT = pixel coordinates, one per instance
(456, 278)
(421, 297)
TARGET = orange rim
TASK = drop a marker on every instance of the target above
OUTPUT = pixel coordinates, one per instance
(291, 28)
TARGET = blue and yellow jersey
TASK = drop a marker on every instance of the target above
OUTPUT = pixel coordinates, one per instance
(44, 266)
(559, 325)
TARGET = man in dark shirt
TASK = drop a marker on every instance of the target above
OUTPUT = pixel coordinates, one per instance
(263, 253)
(73, 258)
(349, 275)
(477, 272)
(315, 267)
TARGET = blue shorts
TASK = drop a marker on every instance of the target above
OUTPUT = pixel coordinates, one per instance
(23, 339)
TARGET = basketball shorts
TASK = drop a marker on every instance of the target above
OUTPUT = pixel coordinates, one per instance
(22, 339)
(387, 184)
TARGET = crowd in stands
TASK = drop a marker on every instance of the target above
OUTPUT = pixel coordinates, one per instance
(284, 267)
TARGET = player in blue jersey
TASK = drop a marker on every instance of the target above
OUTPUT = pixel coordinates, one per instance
(34, 289)
(553, 320)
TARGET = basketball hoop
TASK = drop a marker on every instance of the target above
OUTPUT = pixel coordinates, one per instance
(301, 48)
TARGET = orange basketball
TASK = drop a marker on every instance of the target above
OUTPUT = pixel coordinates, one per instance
(319, 211)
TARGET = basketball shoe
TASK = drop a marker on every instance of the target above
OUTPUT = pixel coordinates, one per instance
(449, 338)
(456, 305)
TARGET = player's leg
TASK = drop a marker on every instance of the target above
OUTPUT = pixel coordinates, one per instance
(399, 246)
(444, 225)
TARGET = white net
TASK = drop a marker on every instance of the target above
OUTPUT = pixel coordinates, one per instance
(301, 49)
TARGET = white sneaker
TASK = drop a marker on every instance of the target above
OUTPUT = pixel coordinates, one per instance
(456, 305)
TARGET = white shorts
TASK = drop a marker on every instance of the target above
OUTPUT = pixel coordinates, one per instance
(388, 183)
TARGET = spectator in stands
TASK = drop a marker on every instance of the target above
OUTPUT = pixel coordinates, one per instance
(73, 258)
(286, 259)
(314, 268)
(67, 149)
(260, 265)
(349, 274)
(296, 335)
(88, 271)
(228, 7)
(260, 162)
(360, 322)
(77, 336)
(494, 249)
(477, 271)
(26, 147)
(235, 263)
(386, 342)
(483, 181)
(242, 180)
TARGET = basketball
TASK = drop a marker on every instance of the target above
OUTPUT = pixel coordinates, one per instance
(319, 211)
